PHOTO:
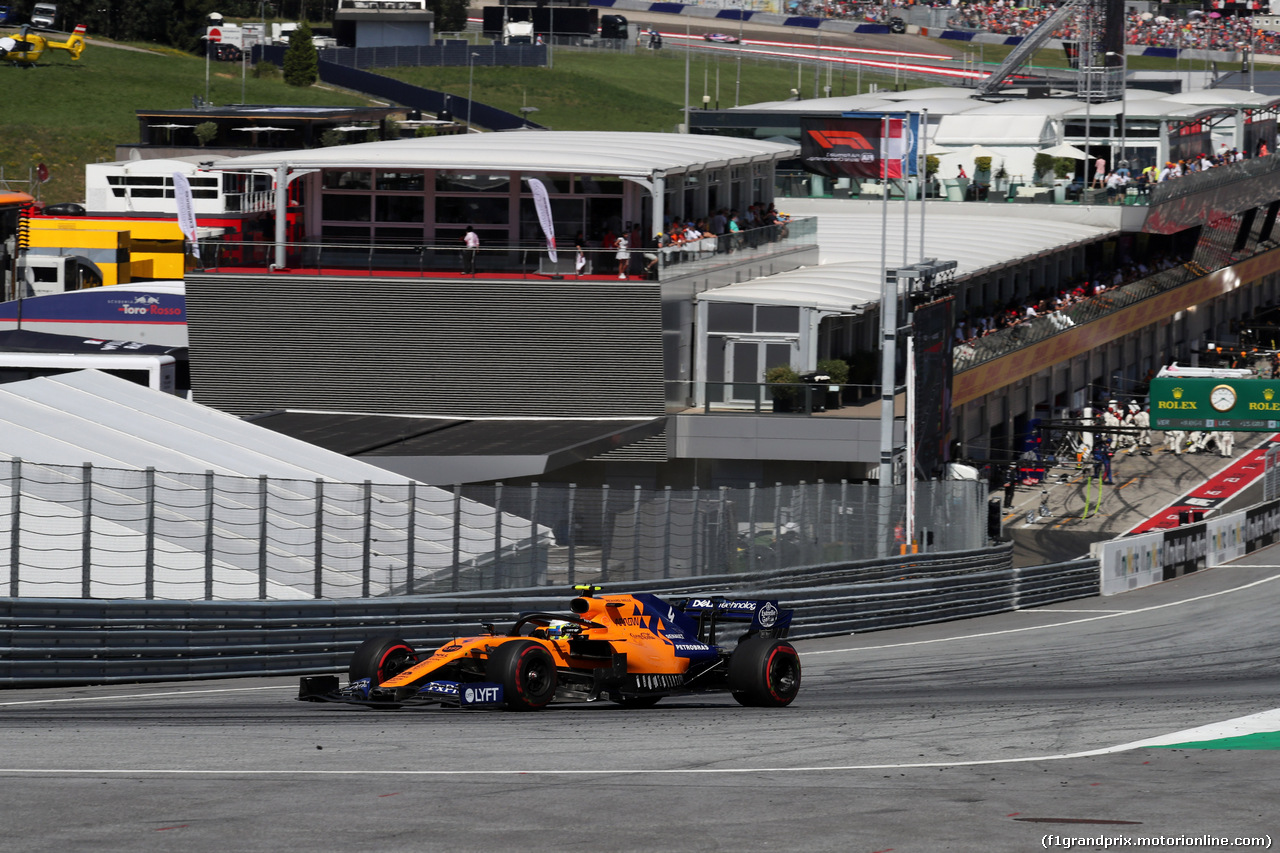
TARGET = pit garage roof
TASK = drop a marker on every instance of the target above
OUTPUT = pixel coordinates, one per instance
(848, 273)
(91, 418)
(588, 152)
(460, 450)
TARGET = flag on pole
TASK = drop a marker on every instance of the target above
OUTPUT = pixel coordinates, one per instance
(542, 204)
(186, 211)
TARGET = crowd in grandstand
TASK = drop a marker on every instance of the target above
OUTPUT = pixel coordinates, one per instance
(1196, 31)
(979, 323)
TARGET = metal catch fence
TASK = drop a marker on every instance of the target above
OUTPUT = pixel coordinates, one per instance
(105, 533)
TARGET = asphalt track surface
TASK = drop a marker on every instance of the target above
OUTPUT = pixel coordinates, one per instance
(979, 735)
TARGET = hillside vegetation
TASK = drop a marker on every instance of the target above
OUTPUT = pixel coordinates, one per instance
(66, 114)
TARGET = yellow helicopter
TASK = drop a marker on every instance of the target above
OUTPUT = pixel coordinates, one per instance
(26, 48)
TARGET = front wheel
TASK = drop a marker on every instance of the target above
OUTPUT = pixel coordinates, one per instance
(527, 673)
(764, 673)
(381, 659)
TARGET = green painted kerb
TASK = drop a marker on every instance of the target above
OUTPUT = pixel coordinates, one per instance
(1261, 740)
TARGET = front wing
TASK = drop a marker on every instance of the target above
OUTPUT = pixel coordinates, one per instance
(471, 694)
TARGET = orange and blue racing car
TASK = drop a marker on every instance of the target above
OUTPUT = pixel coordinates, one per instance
(629, 649)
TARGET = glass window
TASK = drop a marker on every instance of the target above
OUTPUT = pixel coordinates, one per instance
(399, 208)
(601, 185)
(728, 317)
(777, 318)
(401, 181)
(399, 237)
(476, 182)
(472, 210)
(344, 234)
(345, 208)
(335, 179)
(557, 184)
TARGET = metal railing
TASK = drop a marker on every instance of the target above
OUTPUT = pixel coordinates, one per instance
(46, 642)
(90, 532)
(526, 259)
(1008, 340)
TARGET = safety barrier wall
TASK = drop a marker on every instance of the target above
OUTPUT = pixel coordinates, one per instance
(57, 641)
(1132, 562)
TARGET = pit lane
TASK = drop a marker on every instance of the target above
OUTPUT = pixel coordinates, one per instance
(966, 736)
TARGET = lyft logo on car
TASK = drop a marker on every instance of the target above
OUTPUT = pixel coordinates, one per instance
(482, 694)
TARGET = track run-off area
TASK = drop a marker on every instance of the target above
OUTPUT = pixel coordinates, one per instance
(1151, 714)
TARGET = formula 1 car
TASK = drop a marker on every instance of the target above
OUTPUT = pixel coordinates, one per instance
(723, 38)
(630, 649)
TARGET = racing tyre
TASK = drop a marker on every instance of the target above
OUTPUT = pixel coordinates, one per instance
(380, 659)
(764, 673)
(527, 673)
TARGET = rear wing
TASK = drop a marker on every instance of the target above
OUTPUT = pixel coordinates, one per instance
(765, 617)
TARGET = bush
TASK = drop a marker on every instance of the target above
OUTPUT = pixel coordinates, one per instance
(836, 368)
(1042, 165)
(784, 381)
(1064, 167)
(266, 71)
(206, 132)
(301, 65)
(982, 164)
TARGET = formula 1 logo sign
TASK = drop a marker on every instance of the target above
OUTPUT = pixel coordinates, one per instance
(856, 147)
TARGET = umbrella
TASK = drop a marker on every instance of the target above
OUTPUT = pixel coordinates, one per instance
(1146, 16)
(976, 151)
(939, 150)
(1064, 150)
(1162, 20)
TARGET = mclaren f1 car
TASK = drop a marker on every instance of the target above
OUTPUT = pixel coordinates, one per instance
(629, 649)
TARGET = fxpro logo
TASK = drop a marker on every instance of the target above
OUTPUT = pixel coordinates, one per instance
(829, 139)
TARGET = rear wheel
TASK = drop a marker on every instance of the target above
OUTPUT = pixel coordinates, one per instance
(381, 659)
(527, 673)
(764, 673)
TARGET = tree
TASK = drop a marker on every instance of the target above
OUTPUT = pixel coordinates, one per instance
(451, 15)
(301, 66)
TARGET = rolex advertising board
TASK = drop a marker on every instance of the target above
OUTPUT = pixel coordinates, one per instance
(1203, 403)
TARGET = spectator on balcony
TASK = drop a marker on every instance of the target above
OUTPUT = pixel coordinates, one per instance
(623, 255)
(470, 247)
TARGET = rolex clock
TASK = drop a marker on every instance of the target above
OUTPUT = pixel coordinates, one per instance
(1222, 398)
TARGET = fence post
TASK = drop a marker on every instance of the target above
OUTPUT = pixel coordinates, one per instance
(799, 519)
(86, 531)
(457, 536)
(605, 539)
(497, 534)
(149, 572)
(15, 526)
(411, 539)
(694, 531)
(317, 560)
(751, 527)
(533, 536)
(208, 535)
(366, 562)
(777, 525)
(635, 535)
(722, 544)
(262, 537)
(666, 531)
(821, 534)
(573, 494)
(844, 520)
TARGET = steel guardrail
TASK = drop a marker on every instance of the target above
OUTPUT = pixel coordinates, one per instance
(78, 641)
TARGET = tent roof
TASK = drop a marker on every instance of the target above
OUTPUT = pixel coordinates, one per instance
(848, 273)
(588, 152)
